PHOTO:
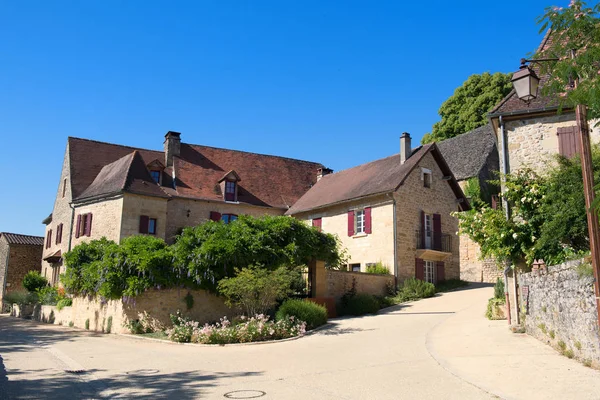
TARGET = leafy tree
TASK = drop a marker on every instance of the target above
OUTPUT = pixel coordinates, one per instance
(33, 281)
(257, 290)
(576, 28)
(467, 108)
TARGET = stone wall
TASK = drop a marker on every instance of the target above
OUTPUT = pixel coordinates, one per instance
(561, 303)
(15, 261)
(152, 308)
(412, 198)
(362, 248)
(339, 282)
(472, 267)
(134, 206)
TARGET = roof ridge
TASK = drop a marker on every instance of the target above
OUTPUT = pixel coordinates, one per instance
(20, 234)
(115, 144)
(255, 153)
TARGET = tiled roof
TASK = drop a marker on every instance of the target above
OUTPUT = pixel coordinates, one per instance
(511, 104)
(15, 238)
(99, 168)
(380, 176)
(467, 154)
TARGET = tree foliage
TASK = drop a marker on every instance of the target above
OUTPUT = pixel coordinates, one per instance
(467, 108)
(576, 28)
(548, 217)
(33, 281)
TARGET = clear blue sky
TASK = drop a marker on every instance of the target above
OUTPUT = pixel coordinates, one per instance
(332, 82)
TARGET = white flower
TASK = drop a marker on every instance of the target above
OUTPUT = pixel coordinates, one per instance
(515, 235)
(533, 238)
(502, 235)
(523, 199)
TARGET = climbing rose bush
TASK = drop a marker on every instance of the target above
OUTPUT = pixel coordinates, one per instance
(255, 329)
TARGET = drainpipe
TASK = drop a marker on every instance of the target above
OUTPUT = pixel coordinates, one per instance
(71, 226)
(504, 161)
(506, 270)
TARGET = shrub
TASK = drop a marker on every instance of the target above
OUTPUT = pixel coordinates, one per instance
(34, 281)
(552, 334)
(378, 268)
(47, 295)
(499, 289)
(542, 327)
(562, 345)
(569, 353)
(360, 304)
(450, 284)
(414, 289)
(87, 324)
(20, 298)
(64, 302)
(578, 345)
(492, 309)
(256, 290)
(109, 324)
(71, 324)
(313, 314)
(137, 326)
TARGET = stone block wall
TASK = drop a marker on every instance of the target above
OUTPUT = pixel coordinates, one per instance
(15, 261)
(339, 282)
(472, 267)
(561, 303)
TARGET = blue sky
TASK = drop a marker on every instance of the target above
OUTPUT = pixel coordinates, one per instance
(332, 82)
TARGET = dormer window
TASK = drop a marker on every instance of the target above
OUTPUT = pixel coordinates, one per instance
(155, 175)
(230, 190)
(229, 186)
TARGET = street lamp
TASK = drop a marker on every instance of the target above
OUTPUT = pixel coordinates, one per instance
(526, 83)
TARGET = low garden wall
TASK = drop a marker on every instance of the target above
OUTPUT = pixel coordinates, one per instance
(153, 307)
(340, 282)
(560, 309)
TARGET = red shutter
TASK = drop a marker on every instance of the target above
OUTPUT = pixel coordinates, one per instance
(77, 226)
(350, 223)
(422, 230)
(317, 223)
(144, 221)
(440, 271)
(215, 216)
(368, 220)
(58, 233)
(419, 269)
(568, 141)
(49, 244)
(88, 224)
(437, 232)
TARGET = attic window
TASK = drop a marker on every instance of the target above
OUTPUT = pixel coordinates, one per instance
(230, 191)
(155, 175)
(426, 177)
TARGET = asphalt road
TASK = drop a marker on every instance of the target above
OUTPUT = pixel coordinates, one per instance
(438, 348)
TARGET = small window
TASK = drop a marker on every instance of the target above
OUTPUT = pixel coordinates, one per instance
(152, 226)
(155, 175)
(359, 218)
(355, 267)
(49, 239)
(230, 191)
(64, 191)
(426, 176)
(227, 218)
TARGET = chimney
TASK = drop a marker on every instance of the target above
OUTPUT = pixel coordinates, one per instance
(172, 147)
(321, 172)
(405, 148)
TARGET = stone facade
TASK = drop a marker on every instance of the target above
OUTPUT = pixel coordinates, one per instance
(152, 308)
(561, 303)
(15, 261)
(472, 267)
(412, 198)
(362, 248)
(340, 282)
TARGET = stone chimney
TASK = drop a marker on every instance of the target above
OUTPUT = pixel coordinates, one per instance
(405, 147)
(321, 172)
(172, 147)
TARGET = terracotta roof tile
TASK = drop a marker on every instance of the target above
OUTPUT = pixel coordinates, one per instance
(16, 238)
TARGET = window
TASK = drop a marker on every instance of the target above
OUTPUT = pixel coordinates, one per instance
(426, 177)
(427, 226)
(317, 223)
(227, 218)
(64, 187)
(152, 226)
(155, 175)
(49, 239)
(84, 225)
(59, 230)
(360, 221)
(429, 272)
(355, 267)
(230, 190)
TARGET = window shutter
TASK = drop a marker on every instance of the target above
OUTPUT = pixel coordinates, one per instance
(88, 225)
(437, 232)
(368, 220)
(58, 233)
(317, 223)
(419, 269)
(568, 143)
(215, 216)
(350, 223)
(422, 230)
(77, 231)
(144, 221)
(440, 271)
(49, 243)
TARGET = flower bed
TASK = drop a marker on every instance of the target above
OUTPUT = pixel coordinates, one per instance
(255, 329)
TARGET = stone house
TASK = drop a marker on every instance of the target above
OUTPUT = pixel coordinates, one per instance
(19, 254)
(396, 210)
(113, 191)
(473, 157)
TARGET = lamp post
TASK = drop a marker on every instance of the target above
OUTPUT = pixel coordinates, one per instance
(526, 84)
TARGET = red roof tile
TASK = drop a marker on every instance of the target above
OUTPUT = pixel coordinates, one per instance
(15, 238)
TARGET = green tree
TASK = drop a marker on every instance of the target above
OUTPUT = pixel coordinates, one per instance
(33, 281)
(576, 28)
(467, 108)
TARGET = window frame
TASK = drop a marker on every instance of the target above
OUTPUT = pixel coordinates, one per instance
(352, 266)
(156, 171)
(360, 228)
(227, 218)
(429, 271)
(230, 190)
(426, 177)
(152, 221)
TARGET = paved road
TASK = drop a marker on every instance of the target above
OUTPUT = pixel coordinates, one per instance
(438, 348)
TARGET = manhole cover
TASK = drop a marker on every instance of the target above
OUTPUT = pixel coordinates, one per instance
(245, 394)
